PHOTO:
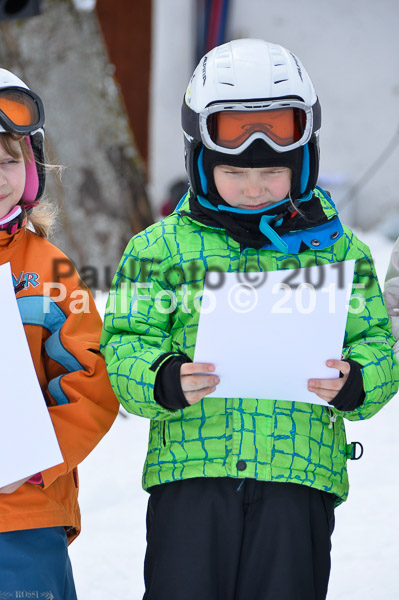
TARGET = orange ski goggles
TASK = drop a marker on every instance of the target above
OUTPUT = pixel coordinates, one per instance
(21, 111)
(231, 127)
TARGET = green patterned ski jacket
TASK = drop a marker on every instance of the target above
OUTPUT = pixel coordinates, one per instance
(153, 311)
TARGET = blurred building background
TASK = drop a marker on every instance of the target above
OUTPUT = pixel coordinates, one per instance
(351, 51)
(113, 73)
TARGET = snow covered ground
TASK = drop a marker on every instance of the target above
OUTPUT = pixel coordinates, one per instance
(108, 556)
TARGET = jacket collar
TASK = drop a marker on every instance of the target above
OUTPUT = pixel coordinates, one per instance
(317, 237)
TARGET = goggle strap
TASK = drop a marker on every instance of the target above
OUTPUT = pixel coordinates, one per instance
(316, 116)
(190, 121)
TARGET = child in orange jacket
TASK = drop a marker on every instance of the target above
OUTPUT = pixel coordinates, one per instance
(40, 515)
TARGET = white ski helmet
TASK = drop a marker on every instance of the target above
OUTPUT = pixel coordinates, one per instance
(250, 89)
(22, 113)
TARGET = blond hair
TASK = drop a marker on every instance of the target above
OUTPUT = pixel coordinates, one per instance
(41, 218)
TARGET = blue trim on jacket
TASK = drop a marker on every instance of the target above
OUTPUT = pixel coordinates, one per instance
(45, 312)
(42, 311)
(56, 391)
(56, 351)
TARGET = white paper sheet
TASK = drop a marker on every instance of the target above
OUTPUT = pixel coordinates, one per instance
(28, 443)
(267, 341)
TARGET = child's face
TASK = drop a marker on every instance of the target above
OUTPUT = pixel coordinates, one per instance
(12, 179)
(252, 189)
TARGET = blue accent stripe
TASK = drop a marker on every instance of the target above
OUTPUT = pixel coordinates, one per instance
(272, 235)
(181, 201)
(305, 168)
(205, 203)
(204, 181)
(248, 211)
(42, 311)
(56, 391)
(306, 198)
(56, 351)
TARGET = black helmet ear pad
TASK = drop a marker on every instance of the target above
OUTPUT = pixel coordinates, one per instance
(314, 161)
(192, 151)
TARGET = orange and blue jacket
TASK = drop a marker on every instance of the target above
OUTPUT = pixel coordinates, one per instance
(63, 329)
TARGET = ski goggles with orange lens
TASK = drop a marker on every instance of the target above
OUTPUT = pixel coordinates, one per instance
(21, 111)
(231, 127)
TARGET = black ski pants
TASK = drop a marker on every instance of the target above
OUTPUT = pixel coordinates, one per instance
(230, 539)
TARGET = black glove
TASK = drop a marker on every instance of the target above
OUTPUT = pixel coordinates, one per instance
(167, 389)
(352, 394)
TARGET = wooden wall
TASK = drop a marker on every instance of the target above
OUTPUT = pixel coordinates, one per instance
(126, 26)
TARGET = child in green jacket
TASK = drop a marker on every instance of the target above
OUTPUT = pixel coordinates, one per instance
(242, 489)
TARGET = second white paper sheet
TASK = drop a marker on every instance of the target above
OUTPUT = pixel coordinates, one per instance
(267, 341)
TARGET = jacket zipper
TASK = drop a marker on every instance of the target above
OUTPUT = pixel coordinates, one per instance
(333, 417)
